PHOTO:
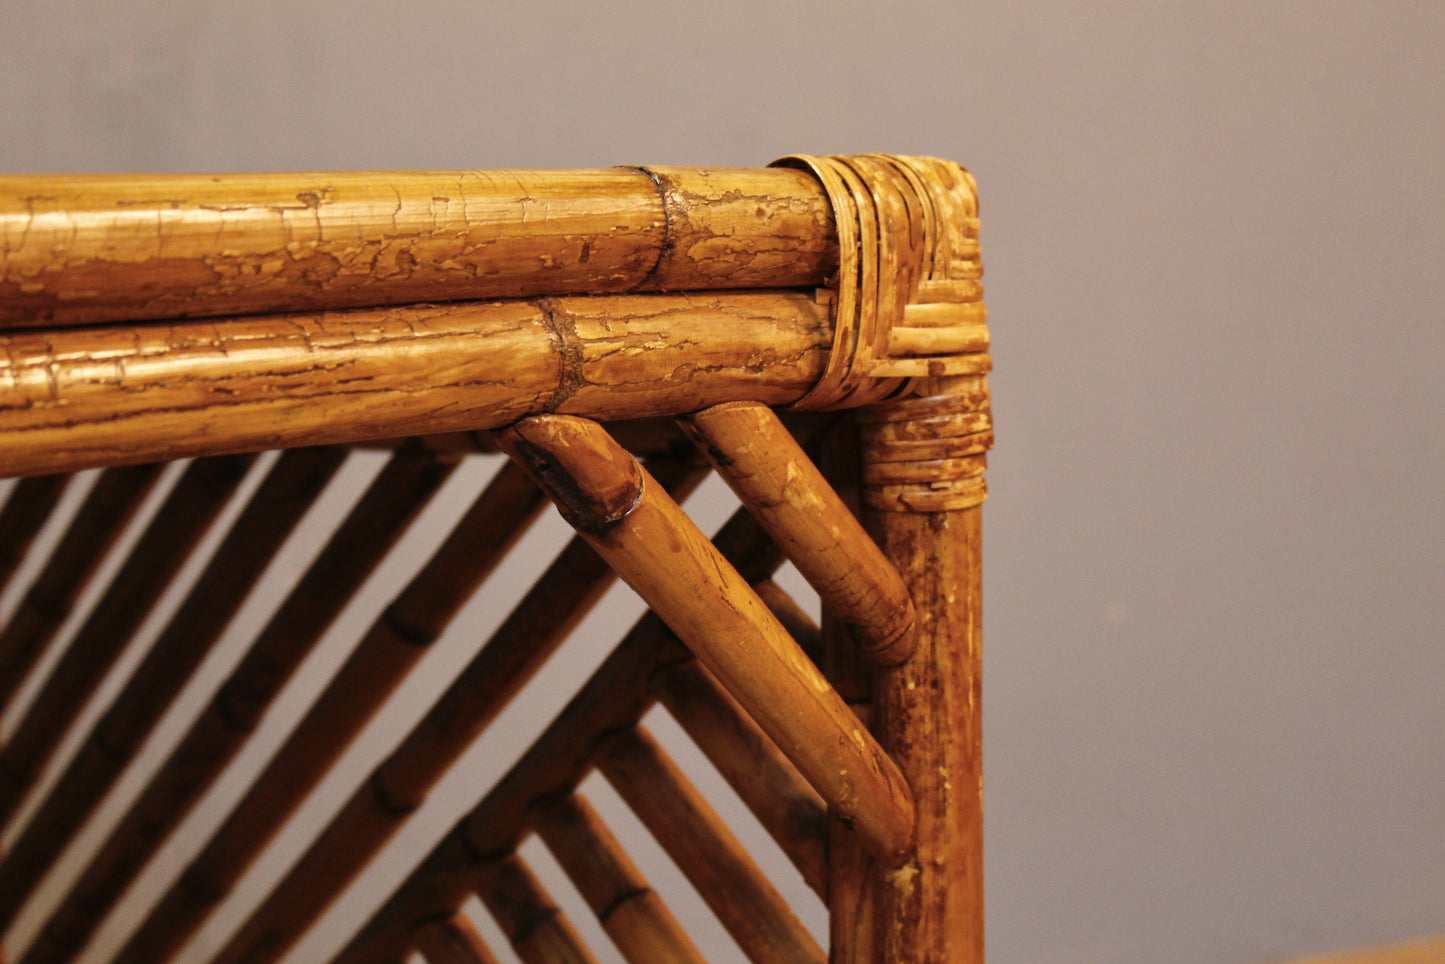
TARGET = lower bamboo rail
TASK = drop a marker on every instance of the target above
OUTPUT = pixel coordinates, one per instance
(86, 397)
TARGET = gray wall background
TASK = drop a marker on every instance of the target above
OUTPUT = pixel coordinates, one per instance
(1213, 236)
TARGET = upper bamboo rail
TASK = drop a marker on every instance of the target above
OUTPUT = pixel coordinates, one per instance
(105, 248)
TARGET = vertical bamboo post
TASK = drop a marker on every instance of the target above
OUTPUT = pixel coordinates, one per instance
(923, 489)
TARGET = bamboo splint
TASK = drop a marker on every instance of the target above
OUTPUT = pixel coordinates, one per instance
(565, 319)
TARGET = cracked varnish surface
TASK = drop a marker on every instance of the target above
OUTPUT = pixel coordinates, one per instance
(85, 249)
(121, 395)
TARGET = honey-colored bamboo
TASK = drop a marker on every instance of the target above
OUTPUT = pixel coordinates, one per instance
(183, 518)
(109, 396)
(389, 649)
(631, 913)
(617, 694)
(288, 490)
(538, 929)
(615, 697)
(769, 471)
(928, 709)
(453, 940)
(99, 248)
(712, 609)
(26, 511)
(702, 846)
(771, 787)
(379, 518)
(399, 784)
(108, 507)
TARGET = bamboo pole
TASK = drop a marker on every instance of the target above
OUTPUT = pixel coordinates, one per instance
(630, 911)
(671, 565)
(24, 515)
(178, 525)
(769, 471)
(383, 513)
(86, 397)
(926, 513)
(538, 929)
(400, 783)
(616, 696)
(398, 638)
(703, 847)
(100, 248)
(453, 940)
(288, 490)
(109, 506)
(771, 787)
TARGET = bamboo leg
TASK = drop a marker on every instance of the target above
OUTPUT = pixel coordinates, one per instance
(772, 475)
(702, 846)
(188, 511)
(273, 511)
(672, 566)
(636, 919)
(924, 487)
(389, 505)
(108, 507)
(452, 941)
(25, 513)
(391, 647)
(544, 617)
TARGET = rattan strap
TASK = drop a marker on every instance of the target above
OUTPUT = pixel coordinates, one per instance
(907, 299)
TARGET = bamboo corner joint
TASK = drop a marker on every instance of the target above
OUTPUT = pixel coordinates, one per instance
(716, 298)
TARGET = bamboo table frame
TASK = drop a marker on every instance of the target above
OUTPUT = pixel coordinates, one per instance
(815, 328)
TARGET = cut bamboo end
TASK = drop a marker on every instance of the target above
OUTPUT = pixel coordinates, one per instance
(776, 480)
(661, 554)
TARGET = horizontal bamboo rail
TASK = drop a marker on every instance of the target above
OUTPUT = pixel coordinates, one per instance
(104, 248)
(106, 396)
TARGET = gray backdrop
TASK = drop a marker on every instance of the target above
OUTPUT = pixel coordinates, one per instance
(1213, 236)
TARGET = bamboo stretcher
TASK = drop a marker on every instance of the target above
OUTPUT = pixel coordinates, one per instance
(813, 332)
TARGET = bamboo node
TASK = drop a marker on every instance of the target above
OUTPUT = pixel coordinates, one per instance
(906, 300)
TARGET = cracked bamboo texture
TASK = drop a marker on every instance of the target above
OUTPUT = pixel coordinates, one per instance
(144, 319)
